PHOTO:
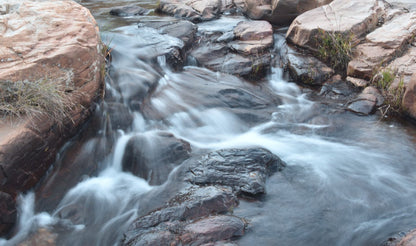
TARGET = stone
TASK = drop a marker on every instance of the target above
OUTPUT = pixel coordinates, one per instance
(383, 45)
(408, 240)
(55, 42)
(306, 69)
(404, 66)
(214, 92)
(375, 92)
(213, 228)
(129, 10)
(409, 98)
(285, 11)
(42, 237)
(364, 104)
(8, 211)
(257, 9)
(193, 10)
(190, 204)
(153, 156)
(354, 17)
(254, 37)
(361, 83)
(245, 170)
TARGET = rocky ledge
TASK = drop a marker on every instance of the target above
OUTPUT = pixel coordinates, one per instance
(54, 48)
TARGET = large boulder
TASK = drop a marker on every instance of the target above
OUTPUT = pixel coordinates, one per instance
(193, 10)
(54, 47)
(354, 17)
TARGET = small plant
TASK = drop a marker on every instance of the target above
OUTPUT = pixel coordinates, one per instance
(393, 94)
(35, 99)
(335, 49)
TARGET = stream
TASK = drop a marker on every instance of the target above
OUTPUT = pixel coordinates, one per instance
(349, 179)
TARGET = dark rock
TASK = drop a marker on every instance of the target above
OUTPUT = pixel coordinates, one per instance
(129, 10)
(337, 89)
(181, 29)
(8, 212)
(193, 203)
(364, 104)
(119, 116)
(245, 170)
(306, 69)
(219, 91)
(153, 156)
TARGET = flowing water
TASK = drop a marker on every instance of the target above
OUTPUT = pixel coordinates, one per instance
(349, 180)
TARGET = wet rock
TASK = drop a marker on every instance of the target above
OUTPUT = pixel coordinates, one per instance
(153, 156)
(337, 89)
(165, 223)
(409, 98)
(375, 92)
(358, 18)
(129, 10)
(57, 42)
(119, 116)
(408, 240)
(42, 237)
(193, 10)
(364, 104)
(306, 69)
(216, 91)
(8, 211)
(382, 45)
(245, 170)
(181, 29)
(214, 228)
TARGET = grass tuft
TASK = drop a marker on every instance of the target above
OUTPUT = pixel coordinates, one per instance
(335, 49)
(34, 99)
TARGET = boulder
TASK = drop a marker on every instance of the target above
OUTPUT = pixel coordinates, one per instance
(364, 104)
(383, 45)
(409, 98)
(245, 170)
(55, 44)
(129, 10)
(193, 10)
(153, 156)
(408, 240)
(41, 237)
(8, 211)
(354, 17)
(306, 69)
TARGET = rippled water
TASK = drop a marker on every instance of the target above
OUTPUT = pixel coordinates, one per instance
(350, 180)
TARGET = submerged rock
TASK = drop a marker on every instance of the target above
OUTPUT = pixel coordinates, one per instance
(153, 156)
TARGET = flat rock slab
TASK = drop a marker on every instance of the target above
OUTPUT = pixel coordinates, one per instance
(383, 45)
(355, 16)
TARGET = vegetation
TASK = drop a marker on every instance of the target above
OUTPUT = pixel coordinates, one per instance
(335, 49)
(34, 99)
(392, 92)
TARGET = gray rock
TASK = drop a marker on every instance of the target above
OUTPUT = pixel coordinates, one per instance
(129, 10)
(364, 104)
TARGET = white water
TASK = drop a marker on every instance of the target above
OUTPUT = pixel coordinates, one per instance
(349, 184)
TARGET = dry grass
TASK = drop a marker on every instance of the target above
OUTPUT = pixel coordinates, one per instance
(35, 99)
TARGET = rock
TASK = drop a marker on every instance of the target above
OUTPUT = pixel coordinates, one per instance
(404, 66)
(193, 10)
(257, 9)
(358, 82)
(306, 69)
(192, 203)
(285, 11)
(181, 29)
(408, 240)
(375, 92)
(382, 45)
(47, 42)
(254, 37)
(245, 170)
(364, 104)
(358, 18)
(7, 211)
(409, 98)
(42, 237)
(215, 92)
(153, 156)
(337, 89)
(129, 10)
(214, 228)
(119, 116)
